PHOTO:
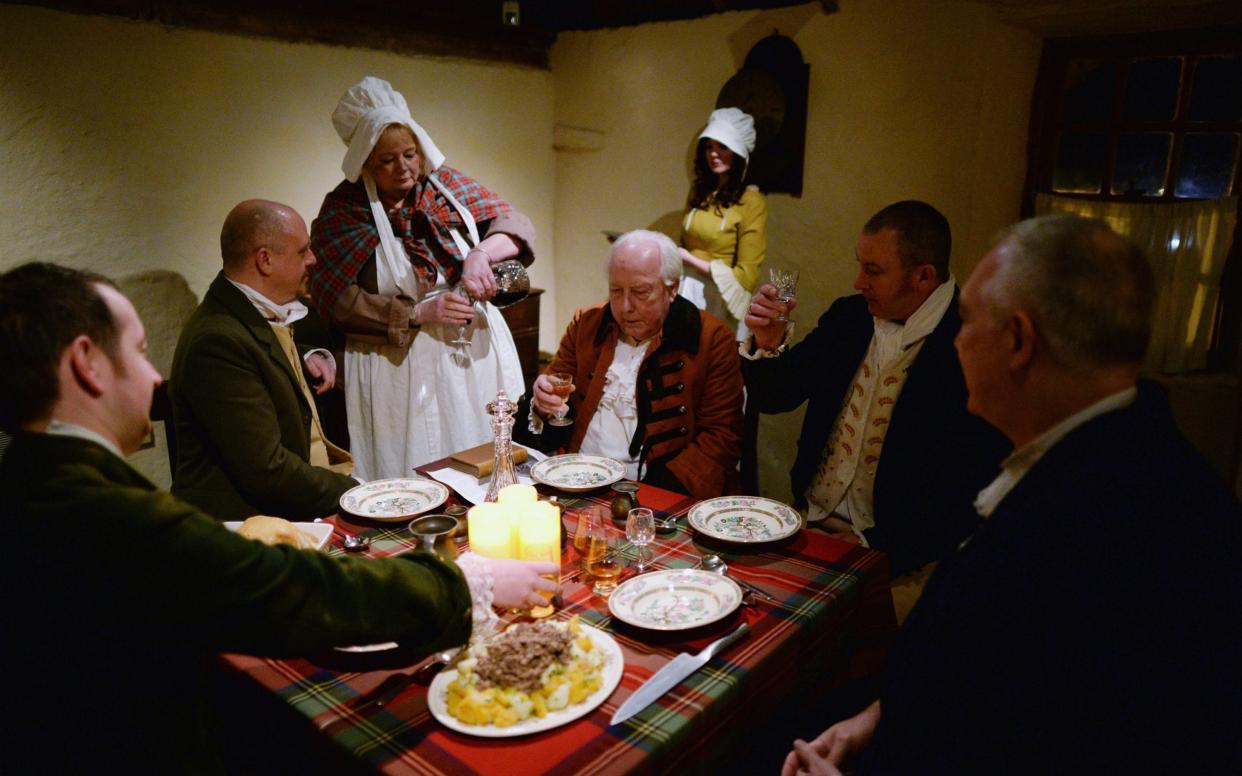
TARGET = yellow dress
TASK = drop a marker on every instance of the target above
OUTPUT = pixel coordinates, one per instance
(734, 242)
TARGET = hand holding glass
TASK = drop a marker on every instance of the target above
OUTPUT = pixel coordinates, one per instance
(640, 530)
(786, 282)
(562, 384)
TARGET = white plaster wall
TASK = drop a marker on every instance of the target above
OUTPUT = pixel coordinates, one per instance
(923, 99)
(123, 145)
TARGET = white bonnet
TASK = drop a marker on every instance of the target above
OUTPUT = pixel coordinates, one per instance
(732, 127)
(360, 117)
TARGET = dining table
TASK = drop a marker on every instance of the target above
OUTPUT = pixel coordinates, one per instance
(827, 621)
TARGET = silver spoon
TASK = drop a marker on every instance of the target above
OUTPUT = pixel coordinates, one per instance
(716, 565)
(356, 543)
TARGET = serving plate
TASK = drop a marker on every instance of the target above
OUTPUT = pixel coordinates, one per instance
(744, 519)
(610, 677)
(319, 533)
(577, 472)
(674, 599)
(393, 500)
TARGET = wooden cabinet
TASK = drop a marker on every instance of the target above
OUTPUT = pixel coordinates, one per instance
(523, 320)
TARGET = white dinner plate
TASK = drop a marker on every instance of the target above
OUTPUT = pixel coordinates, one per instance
(577, 472)
(610, 677)
(319, 533)
(394, 500)
(744, 519)
(674, 599)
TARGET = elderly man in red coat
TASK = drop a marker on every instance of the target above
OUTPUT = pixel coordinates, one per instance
(656, 382)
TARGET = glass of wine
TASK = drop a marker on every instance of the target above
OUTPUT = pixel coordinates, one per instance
(786, 282)
(562, 384)
(640, 530)
(602, 562)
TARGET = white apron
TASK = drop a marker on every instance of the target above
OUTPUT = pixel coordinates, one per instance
(408, 407)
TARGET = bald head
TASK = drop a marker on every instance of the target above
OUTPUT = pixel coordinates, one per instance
(254, 224)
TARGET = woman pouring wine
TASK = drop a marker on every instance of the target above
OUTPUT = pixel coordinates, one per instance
(393, 240)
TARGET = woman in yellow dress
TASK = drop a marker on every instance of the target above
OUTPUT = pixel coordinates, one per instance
(724, 235)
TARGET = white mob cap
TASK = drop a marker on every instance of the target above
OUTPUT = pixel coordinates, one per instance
(732, 127)
(360, 117)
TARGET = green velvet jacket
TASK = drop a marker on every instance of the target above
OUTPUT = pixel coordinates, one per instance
(117, 597)
(243, 424)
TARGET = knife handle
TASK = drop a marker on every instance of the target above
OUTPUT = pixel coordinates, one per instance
(725, 641)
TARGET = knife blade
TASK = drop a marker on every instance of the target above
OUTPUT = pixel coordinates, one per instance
(672, 674)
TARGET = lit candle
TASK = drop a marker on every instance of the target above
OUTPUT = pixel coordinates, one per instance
(539, 531)
(520, 496)
(488, 528)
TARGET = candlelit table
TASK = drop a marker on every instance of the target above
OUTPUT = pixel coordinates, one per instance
(831, 624)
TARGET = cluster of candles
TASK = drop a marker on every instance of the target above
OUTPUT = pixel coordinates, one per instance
(517, 525)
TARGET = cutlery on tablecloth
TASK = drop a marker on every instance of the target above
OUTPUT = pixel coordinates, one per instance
(716, 564)
(671, 675)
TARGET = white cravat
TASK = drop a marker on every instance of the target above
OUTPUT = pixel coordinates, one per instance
(1022, 460)
(280, 315)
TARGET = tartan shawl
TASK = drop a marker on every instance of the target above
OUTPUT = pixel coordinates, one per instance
(344, 236)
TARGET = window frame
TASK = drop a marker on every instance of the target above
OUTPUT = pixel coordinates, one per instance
(1046, 123)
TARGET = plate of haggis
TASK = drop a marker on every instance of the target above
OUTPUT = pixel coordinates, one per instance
(577, 472)
(394, 499)
(744, 519)
(532, 677)
(276, 530)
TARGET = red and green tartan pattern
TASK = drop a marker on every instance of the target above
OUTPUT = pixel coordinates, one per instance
(832, 624)
(344, 236)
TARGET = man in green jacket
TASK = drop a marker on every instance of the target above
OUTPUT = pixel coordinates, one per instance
(117, 594)
(249, 440)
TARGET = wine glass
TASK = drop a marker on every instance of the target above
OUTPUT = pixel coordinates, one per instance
(462, 340)
(786, 282)
(602, 560)
(640, 530)
(562, 384)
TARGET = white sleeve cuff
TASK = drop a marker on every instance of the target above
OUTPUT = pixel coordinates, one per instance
(478, 571)
(736, 298)
(327, 354)
(746, 346)
(534, 423)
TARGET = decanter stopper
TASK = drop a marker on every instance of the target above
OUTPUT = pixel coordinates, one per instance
(503, 473)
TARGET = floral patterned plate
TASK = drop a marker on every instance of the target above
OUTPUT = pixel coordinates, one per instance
(394, 500)
(577, 472)
(674, 599)
(744, 519)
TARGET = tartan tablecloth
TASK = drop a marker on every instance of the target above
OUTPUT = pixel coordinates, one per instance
(831, 624)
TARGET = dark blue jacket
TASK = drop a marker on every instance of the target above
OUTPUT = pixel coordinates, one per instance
(936, 456)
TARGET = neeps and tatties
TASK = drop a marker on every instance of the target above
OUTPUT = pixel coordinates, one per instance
(274, 530)
(527, 671)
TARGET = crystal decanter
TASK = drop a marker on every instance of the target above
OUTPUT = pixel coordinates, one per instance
(503, 473)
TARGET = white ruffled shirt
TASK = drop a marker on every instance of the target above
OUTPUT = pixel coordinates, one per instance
(616, 418)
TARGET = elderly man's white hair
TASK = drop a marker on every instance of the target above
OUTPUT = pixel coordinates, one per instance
(670, 259)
